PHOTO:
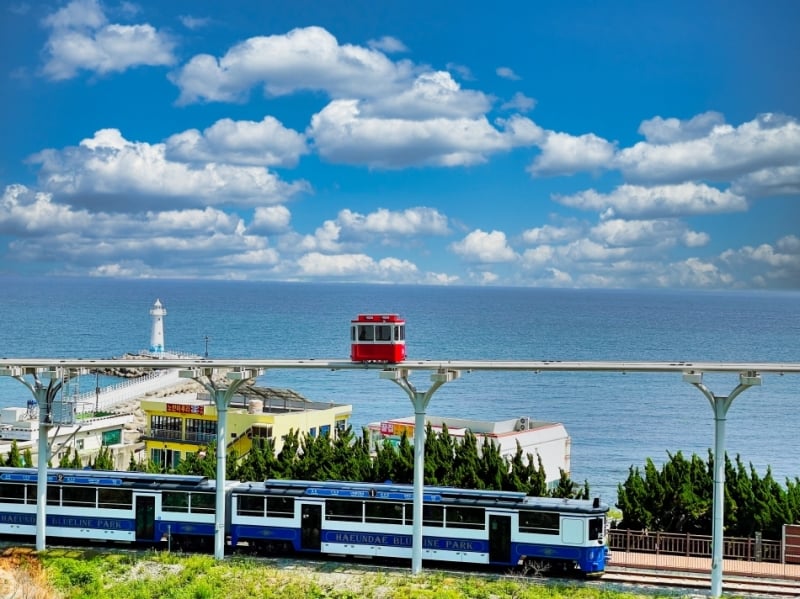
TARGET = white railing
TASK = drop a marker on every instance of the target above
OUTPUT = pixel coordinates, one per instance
(110, 396)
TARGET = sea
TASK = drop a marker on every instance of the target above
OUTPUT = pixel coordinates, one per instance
(616, 420)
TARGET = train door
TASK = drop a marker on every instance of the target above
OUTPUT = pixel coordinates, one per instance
(310, 526)
(499, 539)
(145, 517)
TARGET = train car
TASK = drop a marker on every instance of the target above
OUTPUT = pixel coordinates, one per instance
(378, 338)
(98, 505)
(375, 520)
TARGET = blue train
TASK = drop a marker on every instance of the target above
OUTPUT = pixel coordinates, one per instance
(494, 528)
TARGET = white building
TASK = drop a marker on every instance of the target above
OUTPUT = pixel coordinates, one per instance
(86, 436)
(549, 440)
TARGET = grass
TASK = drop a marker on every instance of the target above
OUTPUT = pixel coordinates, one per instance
(82, 574)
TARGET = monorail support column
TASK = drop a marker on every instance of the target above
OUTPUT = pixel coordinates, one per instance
(222, 395)
(420, 401)
(44, 395)
(720, 405)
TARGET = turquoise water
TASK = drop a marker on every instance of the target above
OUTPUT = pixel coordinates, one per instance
(615, 420)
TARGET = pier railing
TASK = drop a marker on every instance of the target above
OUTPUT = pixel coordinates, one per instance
(689, 545)
(125, 390)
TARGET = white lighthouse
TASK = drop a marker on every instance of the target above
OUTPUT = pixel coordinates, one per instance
(158, 312)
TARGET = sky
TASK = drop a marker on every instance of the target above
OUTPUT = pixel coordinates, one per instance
(544, 144)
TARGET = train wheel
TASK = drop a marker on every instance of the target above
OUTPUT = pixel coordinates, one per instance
(537, 568)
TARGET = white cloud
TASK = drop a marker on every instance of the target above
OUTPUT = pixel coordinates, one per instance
(550, 234)
(483, 247)
(108, 169)
(665, 131)
(430, 95)
(661, 233)
(343, 135)
(82, 39)
(316, 264)
(507, 73)
(264, 143)
(303, 59)
(662, 200)
(564, 154)
(403, 223)
(387, 44)
(193, 23)
(782, 180)
(270, 219)
(724, 153)
(520, 102)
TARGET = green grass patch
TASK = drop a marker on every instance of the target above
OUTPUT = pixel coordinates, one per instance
(160, 575)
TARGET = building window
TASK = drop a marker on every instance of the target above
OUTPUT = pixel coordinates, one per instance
(201, 431)
(165, 427)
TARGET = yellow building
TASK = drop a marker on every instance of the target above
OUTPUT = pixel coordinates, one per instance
(186, 423)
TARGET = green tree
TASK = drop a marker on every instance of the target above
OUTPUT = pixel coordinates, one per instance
(14, 458)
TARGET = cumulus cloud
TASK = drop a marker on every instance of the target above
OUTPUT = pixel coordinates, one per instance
(402, 223)
(659, 130)
(662, 200)
(723, 153)
(82, 39)
(348, 265)
(483, 247)
(264, 143)
(343, 134)
(108, 169)
(307, 58)
(270, 219)
(660, 233)
(551, 234)
(564, 154)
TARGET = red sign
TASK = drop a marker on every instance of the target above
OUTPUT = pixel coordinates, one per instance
(182, 408)
(387, 428)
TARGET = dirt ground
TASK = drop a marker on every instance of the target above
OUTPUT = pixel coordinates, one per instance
(22, 577)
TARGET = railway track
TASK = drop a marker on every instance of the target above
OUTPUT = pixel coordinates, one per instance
(747, 586)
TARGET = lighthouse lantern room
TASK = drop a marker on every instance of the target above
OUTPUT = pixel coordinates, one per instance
(157, 312)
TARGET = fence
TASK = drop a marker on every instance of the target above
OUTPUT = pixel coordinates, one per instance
(688, 545)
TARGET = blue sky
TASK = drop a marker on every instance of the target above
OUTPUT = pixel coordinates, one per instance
(548, 144)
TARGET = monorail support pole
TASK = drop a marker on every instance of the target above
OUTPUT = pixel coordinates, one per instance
(720, 405)
(44, 395)
(420, 401)
(222, 397)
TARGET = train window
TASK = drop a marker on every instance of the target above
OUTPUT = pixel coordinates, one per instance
(203, 503)
(543, 523)
(172, 501)
(385, 513)
(383, 332)
(249, 505)
(432, 515)
(366, 332)
(53, 495)
(339, 509)
(280, 507)
(595, 529)
(79, 496)
(465, 517)
(115, 499)
(12, 493)
(399, 332)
